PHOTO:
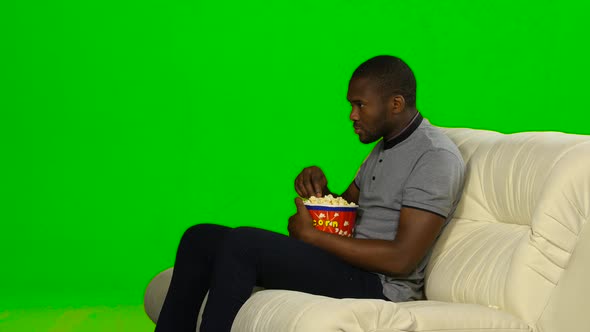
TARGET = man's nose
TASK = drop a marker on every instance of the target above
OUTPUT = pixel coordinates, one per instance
(354, 114)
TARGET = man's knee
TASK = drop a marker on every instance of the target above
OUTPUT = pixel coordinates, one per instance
(203, 234)
(241, 240)
(247, 234)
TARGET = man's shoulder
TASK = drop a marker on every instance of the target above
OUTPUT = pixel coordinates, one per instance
(431, 139)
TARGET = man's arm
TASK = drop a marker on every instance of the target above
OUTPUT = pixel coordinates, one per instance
(352, 193)
(417, 232)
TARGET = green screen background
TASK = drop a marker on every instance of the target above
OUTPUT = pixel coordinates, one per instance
(122, 123)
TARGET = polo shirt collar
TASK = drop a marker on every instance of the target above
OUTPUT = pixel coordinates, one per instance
(405, 133)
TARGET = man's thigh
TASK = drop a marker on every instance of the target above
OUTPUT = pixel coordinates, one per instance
(283, 262)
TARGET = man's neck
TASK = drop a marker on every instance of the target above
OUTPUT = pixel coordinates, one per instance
(410, 116)
(415, 119)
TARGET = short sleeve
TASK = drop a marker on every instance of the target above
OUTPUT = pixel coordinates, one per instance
(435, 183)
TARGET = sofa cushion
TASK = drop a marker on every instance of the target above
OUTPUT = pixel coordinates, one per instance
(525, 204)
(289, 311)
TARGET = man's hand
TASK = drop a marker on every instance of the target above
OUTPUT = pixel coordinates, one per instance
(311, 182)
(301, 224)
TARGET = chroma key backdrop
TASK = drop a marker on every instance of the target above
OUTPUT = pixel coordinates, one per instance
(122, 123)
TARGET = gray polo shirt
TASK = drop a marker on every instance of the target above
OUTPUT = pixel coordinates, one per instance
(420, 168)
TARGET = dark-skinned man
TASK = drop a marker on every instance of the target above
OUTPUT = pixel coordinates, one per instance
(407, 190)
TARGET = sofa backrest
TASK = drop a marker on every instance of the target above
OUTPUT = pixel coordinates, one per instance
(518, 241)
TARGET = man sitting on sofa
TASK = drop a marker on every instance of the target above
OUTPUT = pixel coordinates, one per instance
(407, 190)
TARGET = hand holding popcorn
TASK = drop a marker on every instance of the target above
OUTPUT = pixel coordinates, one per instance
(332, 214)
(300, 223)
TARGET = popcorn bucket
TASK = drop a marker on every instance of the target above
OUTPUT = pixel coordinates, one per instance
(332, 218)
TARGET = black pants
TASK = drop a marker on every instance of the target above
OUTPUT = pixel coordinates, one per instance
(230, 262)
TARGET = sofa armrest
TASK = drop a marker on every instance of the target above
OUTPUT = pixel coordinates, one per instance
(155, 294)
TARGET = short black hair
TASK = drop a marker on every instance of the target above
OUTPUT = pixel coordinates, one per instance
(391, 75)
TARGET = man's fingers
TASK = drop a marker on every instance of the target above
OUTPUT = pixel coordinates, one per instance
(318, 181)
(299, 204)
(309, 190)
(310, 182)
(317, 189)
(299, 188)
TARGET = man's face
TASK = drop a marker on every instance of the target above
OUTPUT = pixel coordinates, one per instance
(369, 111)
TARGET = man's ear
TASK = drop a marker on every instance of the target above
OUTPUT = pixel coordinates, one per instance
(397, 104)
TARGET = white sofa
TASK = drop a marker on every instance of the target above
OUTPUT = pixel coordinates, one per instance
(516, 257)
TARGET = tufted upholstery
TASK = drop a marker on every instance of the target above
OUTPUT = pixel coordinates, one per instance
(525, 204)
(515, 258)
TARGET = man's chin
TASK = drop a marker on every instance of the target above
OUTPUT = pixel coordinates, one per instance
(367, 140)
